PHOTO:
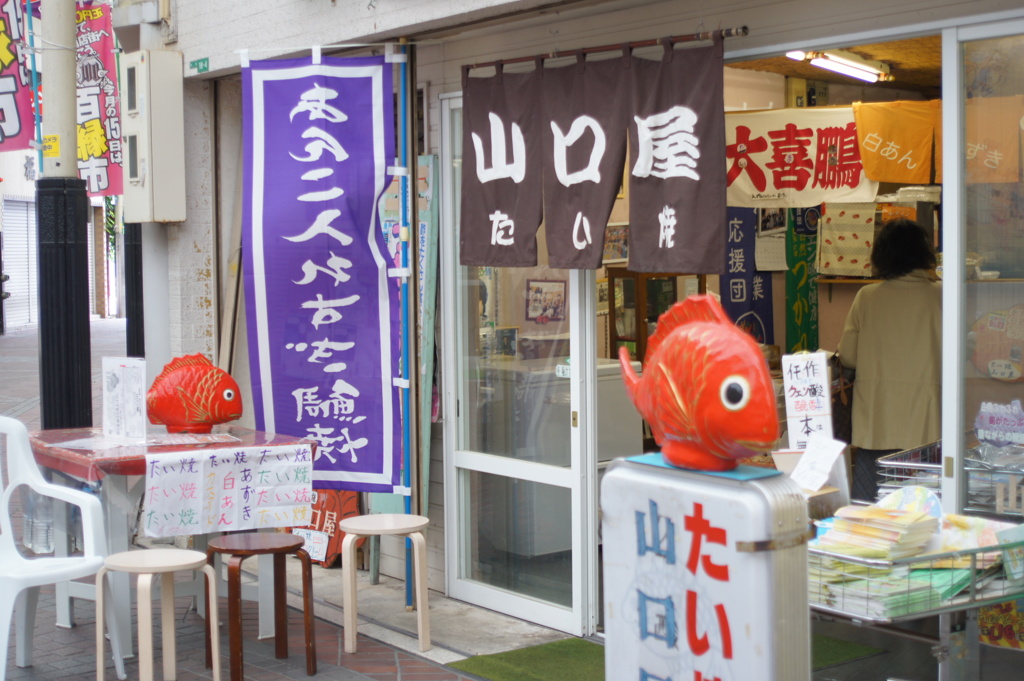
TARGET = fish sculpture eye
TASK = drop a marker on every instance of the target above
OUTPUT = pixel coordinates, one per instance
(734, 392)
(229, 394)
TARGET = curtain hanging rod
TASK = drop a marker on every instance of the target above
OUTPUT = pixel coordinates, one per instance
(690, 37)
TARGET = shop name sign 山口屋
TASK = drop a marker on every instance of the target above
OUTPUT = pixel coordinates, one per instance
(565, 165)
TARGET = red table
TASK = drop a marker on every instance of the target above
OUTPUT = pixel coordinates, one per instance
(118, 473)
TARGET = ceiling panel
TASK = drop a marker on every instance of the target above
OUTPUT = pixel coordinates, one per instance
(915, 64)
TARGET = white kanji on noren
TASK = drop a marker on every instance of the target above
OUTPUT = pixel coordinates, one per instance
(502, 229)
(667, 146)
(592, 172)
(584, 223)
(500, 168)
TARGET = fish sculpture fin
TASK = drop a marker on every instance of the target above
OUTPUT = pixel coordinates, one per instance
(194, 412)
(692, 455)
(696, 308)
(197, 359)
(629, 376)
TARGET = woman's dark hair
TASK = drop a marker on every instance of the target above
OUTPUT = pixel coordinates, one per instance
(901, 247)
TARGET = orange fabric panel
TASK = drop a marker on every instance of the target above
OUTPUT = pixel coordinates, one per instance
(992, 139)
(936, 105)
(896, 140)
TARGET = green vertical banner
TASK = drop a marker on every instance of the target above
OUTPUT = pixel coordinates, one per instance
(425, 193)
(801, 287)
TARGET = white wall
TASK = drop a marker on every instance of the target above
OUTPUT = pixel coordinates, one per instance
(192, 244)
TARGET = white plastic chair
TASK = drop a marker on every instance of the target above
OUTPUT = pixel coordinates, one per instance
(21, 577)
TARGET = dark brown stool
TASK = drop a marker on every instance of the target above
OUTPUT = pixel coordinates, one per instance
(238, 547)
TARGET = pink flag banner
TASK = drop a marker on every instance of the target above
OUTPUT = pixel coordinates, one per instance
(98, 104)
(16, 118)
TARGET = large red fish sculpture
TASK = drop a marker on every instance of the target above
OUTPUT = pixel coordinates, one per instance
(191, 395)
(705, 389)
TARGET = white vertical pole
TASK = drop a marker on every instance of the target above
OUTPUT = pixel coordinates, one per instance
(59, 36)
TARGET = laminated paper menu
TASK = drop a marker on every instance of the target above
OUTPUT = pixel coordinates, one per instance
(228, 489)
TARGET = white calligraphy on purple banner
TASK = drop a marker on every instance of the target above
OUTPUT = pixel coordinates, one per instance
(323, 317)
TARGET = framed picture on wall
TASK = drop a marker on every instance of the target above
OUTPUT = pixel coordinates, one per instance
(506, 340)
(616, 243)
(545, 300)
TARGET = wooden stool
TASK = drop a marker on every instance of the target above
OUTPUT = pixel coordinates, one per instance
(146, 563)
(411, 526)
(239, 547)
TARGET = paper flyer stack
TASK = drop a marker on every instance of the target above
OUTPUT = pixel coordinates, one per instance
(894, 593)
(873, 532)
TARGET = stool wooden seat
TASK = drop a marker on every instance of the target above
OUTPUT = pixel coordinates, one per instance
(146, 563)
(411, 526)
(238, 547)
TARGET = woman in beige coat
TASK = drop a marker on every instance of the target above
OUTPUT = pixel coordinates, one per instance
(893, 338)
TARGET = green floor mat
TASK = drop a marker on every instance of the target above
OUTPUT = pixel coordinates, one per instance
(574, 659)
(828, 652)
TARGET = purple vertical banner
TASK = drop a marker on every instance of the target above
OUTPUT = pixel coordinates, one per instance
(323, 316)
(746, 292)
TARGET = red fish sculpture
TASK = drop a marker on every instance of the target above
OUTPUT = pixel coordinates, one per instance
(191, 395)
(705, 389)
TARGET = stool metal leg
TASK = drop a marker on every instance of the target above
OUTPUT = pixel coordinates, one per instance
(170, 648)
(307, 600)
(420, 579)
(280, 612)
(348, 578)
(235, 616)
(212, 618)
(144, 596)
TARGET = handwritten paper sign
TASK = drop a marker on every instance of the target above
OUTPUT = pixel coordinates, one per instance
(124, 397)
(220, 490)
(316, 542)
(815, 466)
(808, 407)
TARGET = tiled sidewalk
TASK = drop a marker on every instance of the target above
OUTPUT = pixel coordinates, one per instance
(70, 653)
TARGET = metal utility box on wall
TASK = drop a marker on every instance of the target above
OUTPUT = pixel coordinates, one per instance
(153, 129)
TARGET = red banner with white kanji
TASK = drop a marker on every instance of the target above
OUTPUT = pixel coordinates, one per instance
(794, 158)
(98, 103)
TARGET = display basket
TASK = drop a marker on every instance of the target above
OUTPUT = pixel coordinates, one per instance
(886, 591)
(920, 466)
(990, 490)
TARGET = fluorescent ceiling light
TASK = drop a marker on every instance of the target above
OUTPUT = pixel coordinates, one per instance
(856, 61)
(844, 69)
(845, 63)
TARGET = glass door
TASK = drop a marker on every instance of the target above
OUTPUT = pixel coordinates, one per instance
(983, 334)
(517, 507)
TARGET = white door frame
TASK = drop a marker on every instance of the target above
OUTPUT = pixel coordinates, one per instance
(581, 618)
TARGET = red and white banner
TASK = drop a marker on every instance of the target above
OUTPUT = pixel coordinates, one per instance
(98, 104)
(794, 158)
(16, 119)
